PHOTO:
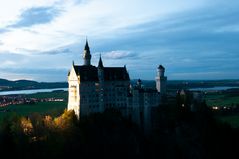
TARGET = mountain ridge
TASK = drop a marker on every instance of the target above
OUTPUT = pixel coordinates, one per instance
(6, 85)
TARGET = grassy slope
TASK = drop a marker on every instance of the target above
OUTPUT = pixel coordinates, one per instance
(214, 99)
(224, 99)
(41, 108)
(44, 108)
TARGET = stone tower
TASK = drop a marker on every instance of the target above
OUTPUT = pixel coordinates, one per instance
(86, 54)
(161, 80)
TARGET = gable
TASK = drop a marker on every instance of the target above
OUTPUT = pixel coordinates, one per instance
(72, 76)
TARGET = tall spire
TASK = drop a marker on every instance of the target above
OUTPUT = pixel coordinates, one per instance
(100, 64)
(87, 45)
(86, 54)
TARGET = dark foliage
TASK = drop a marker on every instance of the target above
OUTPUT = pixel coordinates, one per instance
(180, 134)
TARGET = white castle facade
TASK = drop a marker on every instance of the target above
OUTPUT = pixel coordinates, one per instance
(94, 89)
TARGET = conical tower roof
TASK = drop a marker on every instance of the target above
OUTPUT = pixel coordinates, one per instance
(100, 64)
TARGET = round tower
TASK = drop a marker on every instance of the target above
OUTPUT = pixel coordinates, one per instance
(160, 71)
(161, 80)
(139, 83)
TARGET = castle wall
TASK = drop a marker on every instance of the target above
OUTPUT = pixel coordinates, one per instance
(115, 95)
(89, 98)
(73, 93)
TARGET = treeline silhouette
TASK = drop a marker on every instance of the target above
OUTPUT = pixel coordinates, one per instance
(180, 134)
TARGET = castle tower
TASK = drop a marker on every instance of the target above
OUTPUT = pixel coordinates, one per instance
(86, 54)
(161, 80)
(139, 83)
(100, 70)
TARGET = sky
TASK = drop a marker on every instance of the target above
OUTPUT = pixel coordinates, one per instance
(193, 40)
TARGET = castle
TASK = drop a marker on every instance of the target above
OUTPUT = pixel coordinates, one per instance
(94, 89)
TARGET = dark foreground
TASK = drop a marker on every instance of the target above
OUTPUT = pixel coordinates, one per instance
(181, 135)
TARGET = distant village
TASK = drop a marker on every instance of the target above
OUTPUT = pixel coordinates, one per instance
(8, 100)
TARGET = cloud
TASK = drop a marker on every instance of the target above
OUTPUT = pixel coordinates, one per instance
(36, 61)
(184, 37)
(67, 49)
(186, 41)
(228, 28)
(119, 54)
(15, 76)
(5, 56)
(214, 75)
(58, 51)
(3, 30)
(7, 63)
(36, 15)
(50, 75)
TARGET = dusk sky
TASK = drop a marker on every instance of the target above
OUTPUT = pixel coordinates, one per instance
(193, 39)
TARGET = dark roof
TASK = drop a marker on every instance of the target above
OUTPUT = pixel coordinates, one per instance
(161, 67)
(86, 45)
(90, 73)
(145, 90)
(100, 64)
(115, 74)
(87, 73)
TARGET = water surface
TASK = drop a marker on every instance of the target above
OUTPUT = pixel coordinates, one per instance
(219, 88)
(30, 91)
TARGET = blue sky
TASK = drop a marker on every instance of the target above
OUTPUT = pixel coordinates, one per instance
(192, 39)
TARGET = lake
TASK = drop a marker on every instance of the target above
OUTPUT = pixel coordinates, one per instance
(31, 91)
(219, 88)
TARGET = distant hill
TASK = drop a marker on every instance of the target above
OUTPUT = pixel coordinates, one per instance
(187, 84)
(172, 84)
(6, 85)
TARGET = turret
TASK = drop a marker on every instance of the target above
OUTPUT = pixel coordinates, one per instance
(160, 71)
(139, 83)
(161, 80)
(86, 54)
